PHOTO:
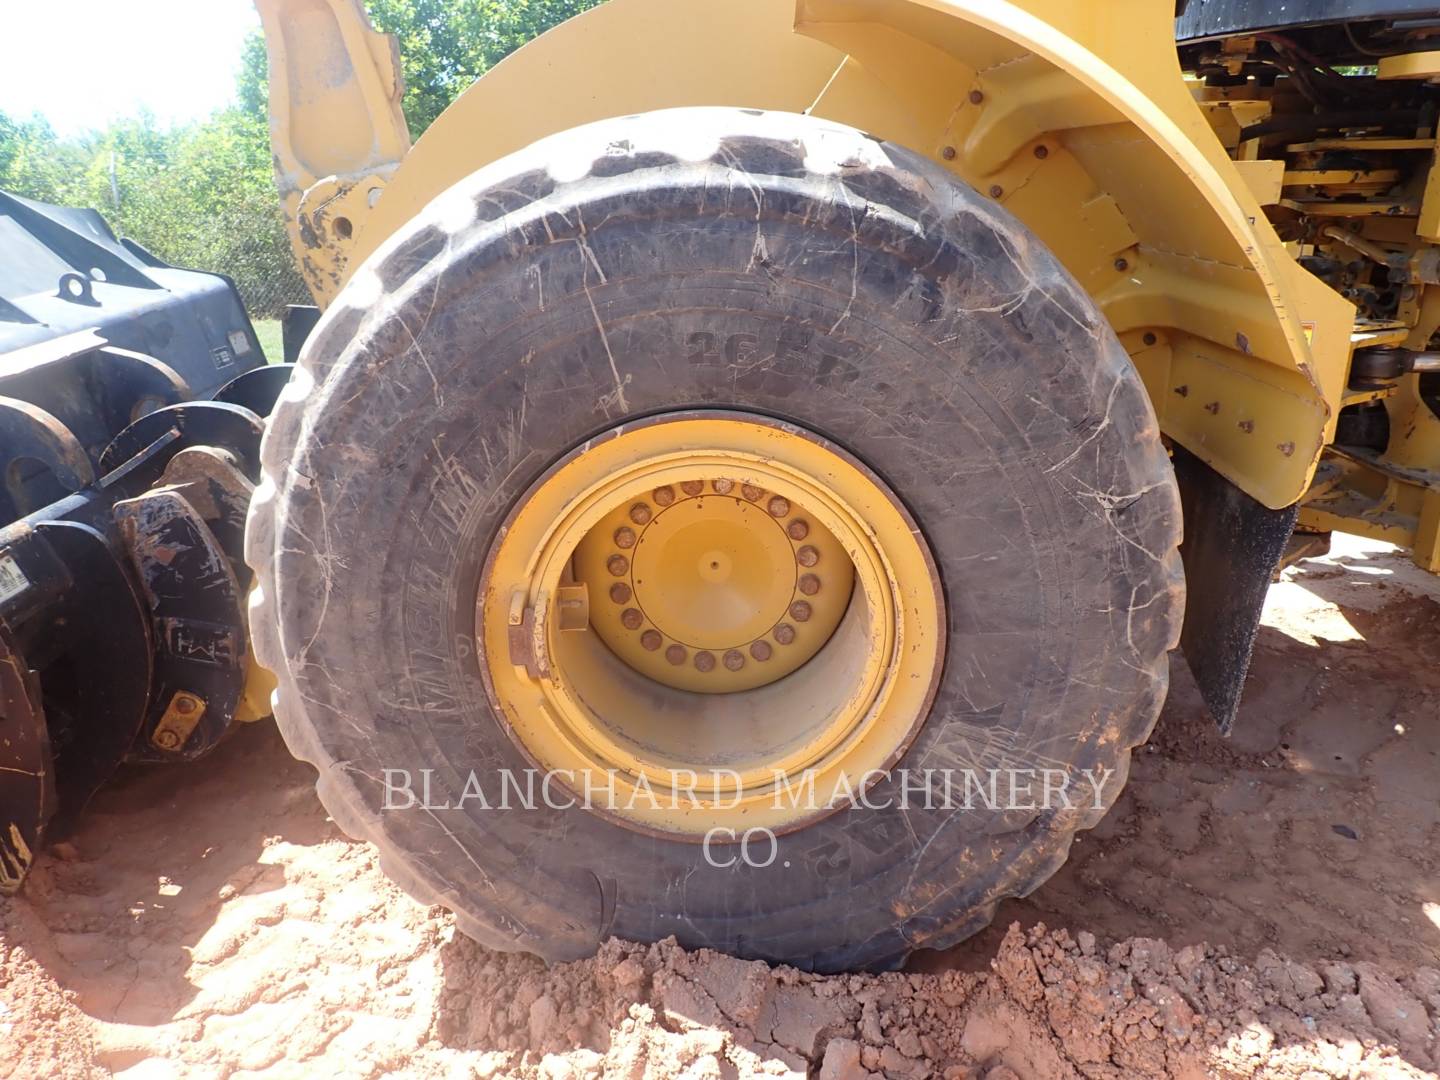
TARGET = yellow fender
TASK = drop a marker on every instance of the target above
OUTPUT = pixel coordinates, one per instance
(1074, 116)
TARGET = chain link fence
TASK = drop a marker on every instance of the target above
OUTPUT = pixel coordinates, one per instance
(266, 276)
(247, 244)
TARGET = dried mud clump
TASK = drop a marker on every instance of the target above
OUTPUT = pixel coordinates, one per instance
(1053, 1006)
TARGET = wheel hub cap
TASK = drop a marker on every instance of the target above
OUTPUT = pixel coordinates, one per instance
(714, 586)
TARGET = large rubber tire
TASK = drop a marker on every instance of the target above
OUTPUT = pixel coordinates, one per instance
(716, 258)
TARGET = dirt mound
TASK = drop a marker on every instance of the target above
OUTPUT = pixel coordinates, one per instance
(1052, 1007)
(42, 1031)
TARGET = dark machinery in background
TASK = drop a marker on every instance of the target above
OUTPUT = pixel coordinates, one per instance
(132, 398)
(1330, 109)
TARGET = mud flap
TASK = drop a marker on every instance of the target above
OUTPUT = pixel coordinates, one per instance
(1232, 548)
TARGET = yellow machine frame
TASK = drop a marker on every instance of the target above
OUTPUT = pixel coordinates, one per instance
(1075, 116)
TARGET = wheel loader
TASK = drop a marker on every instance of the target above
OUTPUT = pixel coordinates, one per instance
(756, 457)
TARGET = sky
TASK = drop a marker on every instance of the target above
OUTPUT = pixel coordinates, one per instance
(81, 63)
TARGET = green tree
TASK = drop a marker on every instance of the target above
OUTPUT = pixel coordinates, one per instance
(445, 45)
(252, 90)
(34, 163)
(203, 195)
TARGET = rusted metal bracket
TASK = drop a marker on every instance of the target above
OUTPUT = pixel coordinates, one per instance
(526, 635)
(178, 722)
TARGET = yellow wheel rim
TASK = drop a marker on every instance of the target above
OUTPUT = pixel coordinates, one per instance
(710, 620)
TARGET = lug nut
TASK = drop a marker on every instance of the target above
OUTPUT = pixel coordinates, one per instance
(618, 565)
(807, 556)
(676, 654)
(640, 513)
(692, 487)
(631, 619)
(650, 640)
(784, 633)
(800, 611)
(625, 537)
(779, 506)
(620, 593)
(722, 487)
(761, 650)
(809, 584)
(798, 530)
(704, 661)
(663, 496)
(734, 659)
(751, 492)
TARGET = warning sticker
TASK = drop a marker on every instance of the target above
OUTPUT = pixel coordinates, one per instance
(13, 581)
(239, 343)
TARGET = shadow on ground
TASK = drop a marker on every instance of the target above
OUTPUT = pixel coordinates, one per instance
(1313, 828)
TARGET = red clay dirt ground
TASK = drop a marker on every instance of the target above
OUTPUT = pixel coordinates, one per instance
(1264, 906)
